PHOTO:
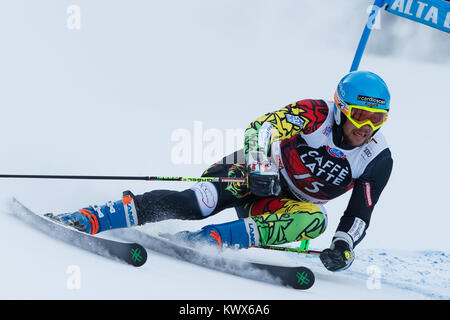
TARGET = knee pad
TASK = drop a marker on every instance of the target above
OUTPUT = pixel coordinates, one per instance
(207, 197)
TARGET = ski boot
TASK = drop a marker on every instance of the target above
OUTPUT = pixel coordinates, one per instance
(237, 234)
(262, 230)
(95, 219)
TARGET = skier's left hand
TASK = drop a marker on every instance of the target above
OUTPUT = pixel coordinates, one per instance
(340, 255)
(264, 185)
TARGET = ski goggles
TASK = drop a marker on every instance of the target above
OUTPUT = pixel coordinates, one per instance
(360, 115)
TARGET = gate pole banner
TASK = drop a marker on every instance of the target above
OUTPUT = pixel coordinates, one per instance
(434, 13)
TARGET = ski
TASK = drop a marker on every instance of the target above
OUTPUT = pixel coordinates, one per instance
(297, 277)
(130, 253)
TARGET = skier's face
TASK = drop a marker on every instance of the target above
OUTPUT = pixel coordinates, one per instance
(354, 136)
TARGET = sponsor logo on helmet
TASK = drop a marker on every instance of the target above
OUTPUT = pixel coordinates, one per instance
(340, 103)
(371, 101)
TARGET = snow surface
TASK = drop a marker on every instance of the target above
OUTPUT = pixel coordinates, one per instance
(106, 100)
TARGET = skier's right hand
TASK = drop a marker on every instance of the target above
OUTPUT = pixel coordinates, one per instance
(340, 255)
(263, 176)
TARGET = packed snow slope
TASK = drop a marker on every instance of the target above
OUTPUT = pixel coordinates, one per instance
(137, 83)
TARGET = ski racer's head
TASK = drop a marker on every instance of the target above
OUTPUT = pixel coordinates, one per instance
(361, 106)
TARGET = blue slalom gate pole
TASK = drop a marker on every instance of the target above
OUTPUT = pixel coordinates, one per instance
(377, 5)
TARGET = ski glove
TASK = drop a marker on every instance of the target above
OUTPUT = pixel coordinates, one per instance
(340, 255)
(263, 176)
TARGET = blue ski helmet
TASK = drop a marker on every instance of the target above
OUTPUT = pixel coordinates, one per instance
(361, 88)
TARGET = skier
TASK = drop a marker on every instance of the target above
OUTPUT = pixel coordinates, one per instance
(296, 159)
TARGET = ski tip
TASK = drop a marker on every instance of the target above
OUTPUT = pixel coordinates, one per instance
(302, 279)
(137, 255)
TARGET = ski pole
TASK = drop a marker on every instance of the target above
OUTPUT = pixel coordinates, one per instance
(296, 250)
(144, 178)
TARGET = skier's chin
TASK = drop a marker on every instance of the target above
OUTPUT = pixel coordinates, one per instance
(357, 137)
